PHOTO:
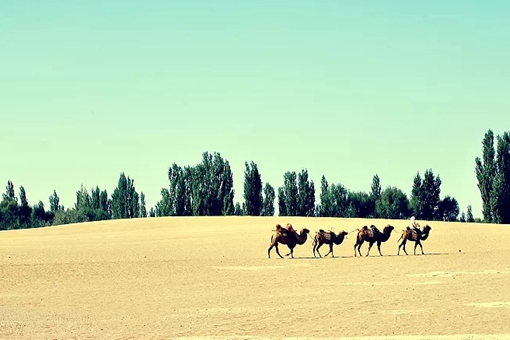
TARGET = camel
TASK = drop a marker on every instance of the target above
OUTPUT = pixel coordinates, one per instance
(291, 239)
(372, 235)
(415, 236)
(327, 237)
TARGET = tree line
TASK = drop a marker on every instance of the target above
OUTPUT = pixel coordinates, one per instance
(206, 189)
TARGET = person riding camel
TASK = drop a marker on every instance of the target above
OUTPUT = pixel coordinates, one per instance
(290, 228)
(414, 225)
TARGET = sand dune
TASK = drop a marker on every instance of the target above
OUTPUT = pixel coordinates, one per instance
(210, 278)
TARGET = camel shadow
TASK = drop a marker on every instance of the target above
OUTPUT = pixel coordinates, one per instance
(435, 254)
(375, 256)
(364, 256)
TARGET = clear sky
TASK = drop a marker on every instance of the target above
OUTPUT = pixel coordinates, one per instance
(346, 89)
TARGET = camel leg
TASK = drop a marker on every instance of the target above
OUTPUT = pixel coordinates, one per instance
(320, 245)
(379, 247)
(359, 248)
(402, 244)
(418, 243)
(278, 251)
(271, 247)
(358, 245)
(369, 247)
(269, 250)
(291, 253)
(330, 251)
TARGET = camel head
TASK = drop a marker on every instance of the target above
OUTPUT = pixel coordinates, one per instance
(427, 228)
(388, 229)
(342, 233)
(304, 231)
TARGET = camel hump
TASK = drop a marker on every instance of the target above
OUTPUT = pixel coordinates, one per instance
(321, 231)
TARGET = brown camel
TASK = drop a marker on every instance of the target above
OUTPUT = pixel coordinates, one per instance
(327, 237)
(415, 236)
(372, 235)
(291, 239)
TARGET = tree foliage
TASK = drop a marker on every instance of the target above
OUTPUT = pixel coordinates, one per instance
(493, 175)
(393, 204)
(448, 209)
(268, 202)
(253, 198)
(206, 189)
(469, 215)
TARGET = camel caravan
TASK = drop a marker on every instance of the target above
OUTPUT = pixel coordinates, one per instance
(372, 235)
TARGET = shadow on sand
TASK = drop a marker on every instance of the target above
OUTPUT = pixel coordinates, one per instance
(352, 256)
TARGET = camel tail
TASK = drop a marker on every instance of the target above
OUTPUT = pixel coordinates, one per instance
(400, 237)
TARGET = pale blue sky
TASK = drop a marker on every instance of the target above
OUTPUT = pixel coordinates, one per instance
(346, 89)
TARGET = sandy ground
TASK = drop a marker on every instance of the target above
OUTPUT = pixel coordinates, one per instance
(210, 278)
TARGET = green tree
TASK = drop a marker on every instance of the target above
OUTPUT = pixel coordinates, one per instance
(469, 217)
(448, 209)
(485, 174)
(431, 190)
(83, 199)
(9, 213)
(180, 197)
(125, 199)
(143, 206)
(375, 193)
(212, 186)
(305, 195)
(425, 195)
(500, 195)
(135, 205)
(416, 201)
(199, 191)
(334, 200)
(95, 198)
(361, 204)
(104, 204)
(9, 192)
(462, 217)
(188, 180)
(290, 193)
(219, 185)
(393, 204)
(24, 209)
(325, 208)
(268, 202)
(238, 211)
(152, 213)
(282, 207)
(67, 216)
(252, 189)
(164, 206)
(227, 190)
(54, 203)
(40, 217)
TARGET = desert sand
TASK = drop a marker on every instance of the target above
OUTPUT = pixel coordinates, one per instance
(210, 278)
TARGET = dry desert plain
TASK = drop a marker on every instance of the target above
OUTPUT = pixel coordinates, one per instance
(210, 278)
